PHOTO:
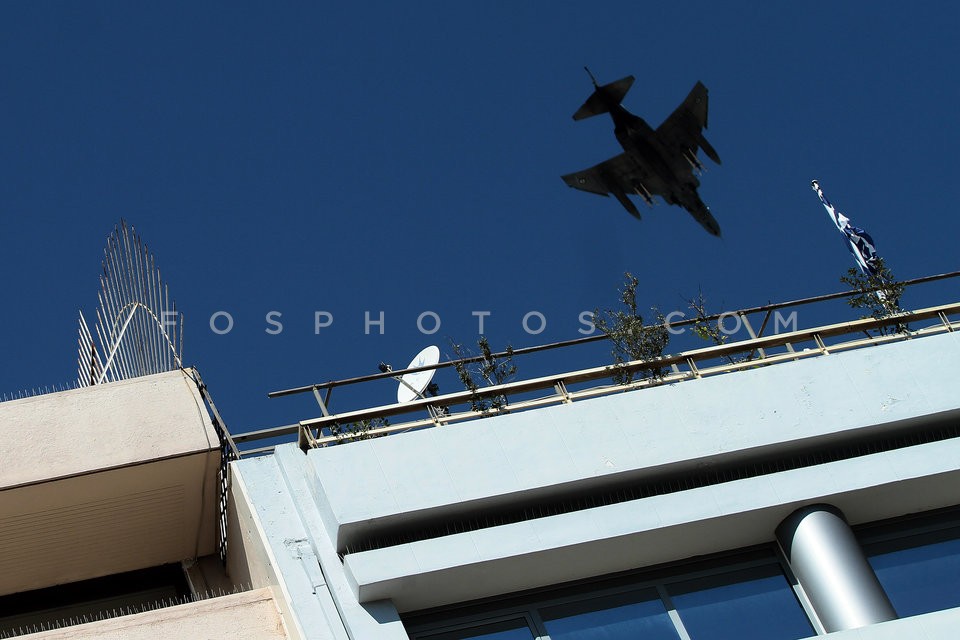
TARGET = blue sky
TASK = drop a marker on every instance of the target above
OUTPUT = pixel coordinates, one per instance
(352, 158)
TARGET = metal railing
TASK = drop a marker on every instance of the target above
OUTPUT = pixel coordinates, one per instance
(228, 453)
(758, 350)
(682, 366)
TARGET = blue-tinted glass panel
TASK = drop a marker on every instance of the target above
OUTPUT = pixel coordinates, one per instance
(516, 629)
(751, 604)
(919, 574)
(638, 614)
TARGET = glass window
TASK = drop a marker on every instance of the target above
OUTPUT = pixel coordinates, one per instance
(744, 596)
(921, 573)
(515, 629)
(752, 603)
(637, 614)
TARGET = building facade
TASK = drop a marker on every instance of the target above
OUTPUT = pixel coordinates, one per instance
(802, 492)
(810, 497)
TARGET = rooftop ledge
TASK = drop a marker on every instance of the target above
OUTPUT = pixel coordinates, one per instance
(432, 476)
(104, 479)
(566, 387)
(569, 386)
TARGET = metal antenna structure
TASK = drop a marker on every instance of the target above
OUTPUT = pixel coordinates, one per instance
(139, 331)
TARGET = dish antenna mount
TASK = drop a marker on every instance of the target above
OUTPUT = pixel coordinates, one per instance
(413, 384)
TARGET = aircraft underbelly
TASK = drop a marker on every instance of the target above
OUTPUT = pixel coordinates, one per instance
(649, 156)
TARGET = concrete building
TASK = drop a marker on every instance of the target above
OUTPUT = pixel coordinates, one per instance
(109, 504)
(810, 489)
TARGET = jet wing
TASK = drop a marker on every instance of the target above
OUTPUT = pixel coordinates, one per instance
(619, 175)
(682, 131)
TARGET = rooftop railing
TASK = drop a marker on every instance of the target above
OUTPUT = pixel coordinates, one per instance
(757, 351)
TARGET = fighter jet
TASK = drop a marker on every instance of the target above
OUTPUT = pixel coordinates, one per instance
(656, 162)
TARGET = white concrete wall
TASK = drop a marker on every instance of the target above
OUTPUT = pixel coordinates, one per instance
(520, 458)
(939, 625)
(307, 507)
(284, 545)
(639, 533)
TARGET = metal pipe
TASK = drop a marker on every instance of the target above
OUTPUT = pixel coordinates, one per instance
(831, 568)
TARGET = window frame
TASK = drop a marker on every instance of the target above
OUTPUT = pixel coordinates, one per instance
(896, 534)
(527, 604)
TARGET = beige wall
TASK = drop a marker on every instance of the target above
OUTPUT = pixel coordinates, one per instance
(251, 615)
(105, 479)
(111, 425)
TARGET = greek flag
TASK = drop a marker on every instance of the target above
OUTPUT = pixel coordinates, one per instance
(857, 240)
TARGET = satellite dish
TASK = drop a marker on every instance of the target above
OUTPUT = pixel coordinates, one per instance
(413, 384)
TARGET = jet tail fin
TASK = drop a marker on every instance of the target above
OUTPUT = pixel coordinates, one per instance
(604, 98)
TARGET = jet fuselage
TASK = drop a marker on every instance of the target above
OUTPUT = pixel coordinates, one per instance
(640, 140)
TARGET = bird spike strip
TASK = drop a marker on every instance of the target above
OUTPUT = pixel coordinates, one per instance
(138, 331)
